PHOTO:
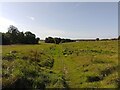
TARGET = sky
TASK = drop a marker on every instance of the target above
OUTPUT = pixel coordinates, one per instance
(74, 20)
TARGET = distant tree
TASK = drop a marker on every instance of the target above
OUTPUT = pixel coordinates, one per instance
(57, 40)
(13, 33)
(97, 39)
(5, 39)
(67, 40)
(49, 40)
(21, 38)
(46, 40)
(14, 36)
(0, 38)
(119, 38)
(113, 39)
(62, 41)
(105, 39)
(37, 40)
(30, 38)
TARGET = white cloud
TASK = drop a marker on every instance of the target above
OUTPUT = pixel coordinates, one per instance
(5, 23)
(31, 18)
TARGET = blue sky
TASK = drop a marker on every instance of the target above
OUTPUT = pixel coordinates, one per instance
(75, 20)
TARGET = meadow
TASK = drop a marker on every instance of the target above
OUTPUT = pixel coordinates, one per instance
(84, 64)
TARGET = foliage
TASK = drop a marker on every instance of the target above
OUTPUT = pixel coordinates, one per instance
(119, 38)
(5, 39)
(57, 40)
(97, 39)
(14, 36)
(27, 75)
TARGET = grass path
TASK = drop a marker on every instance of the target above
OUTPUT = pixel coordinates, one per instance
(80, 63)
(59, 63)
(77, 68)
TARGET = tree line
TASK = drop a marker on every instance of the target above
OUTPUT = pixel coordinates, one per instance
(57, 40)
(14, 36)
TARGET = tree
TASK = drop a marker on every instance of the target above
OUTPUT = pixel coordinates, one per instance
(0, 38)
(57, 40)
(37, 40)
(29, 38)
(13, 33)
(97, 39)
(14, 36)
(119, 38)
(49, 40)
(21, 38)
(5, 39)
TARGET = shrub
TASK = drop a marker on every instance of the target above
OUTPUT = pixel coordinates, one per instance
(47, 63)
(9, 57)
(93, 78)
(27, 75)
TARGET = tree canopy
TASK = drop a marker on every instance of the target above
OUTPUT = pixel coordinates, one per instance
(14, 36)
(57, 40)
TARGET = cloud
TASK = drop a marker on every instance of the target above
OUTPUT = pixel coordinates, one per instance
(31, 18)
(5, 23)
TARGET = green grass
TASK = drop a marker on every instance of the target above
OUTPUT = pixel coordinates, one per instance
(85, 64)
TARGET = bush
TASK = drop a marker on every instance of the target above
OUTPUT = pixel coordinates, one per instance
(27, 75)
(47, 63)
(93, 78)
(10, 56)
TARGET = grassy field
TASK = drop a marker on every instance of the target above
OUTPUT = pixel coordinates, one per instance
(85, 64)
